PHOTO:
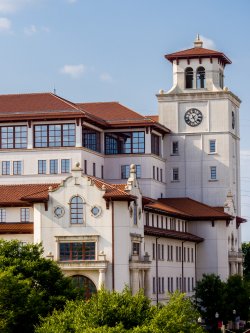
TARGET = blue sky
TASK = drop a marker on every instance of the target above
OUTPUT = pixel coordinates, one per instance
(113, 50)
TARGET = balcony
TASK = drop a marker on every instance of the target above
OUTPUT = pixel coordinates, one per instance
(235, 255)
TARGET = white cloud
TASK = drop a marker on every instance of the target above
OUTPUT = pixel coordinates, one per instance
(106, 77)
(5, 24)
(208, 43)
(9, 6)
(75, 71)
(31, 30)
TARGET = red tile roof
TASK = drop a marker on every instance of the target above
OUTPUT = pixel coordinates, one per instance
(16, 228)
(198, 52)
(24, 194)
(187, 208)
(152, 231)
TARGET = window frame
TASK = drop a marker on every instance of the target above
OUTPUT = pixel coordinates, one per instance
(212, 146)
(155, 144)
(175, 148)
(17, 168)
(213, 173)
(175, 175)
(42, 167)
(189, 78)
(15, 137)
(25, 215)
(2, 215)
(78, 210)
(60, 135)
(200, 81)
(53, 166)
(124, 143)
(6, 168)
(65, 165)
(71, 251)
(91, 139)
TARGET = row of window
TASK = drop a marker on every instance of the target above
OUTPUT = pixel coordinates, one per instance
(185, 254)
(175, 147)
(64, 135)
(16, 167)
(185, 284)
(212, 172)
(200, 78)
(162, 222)
(24, 215)
(157, 173)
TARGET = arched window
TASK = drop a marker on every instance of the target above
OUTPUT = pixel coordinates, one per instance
(200, 78)
(85, 285)
(76, 210)
(189, 75)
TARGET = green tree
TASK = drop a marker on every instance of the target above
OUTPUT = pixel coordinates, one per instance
(113, 312)
(237, 297)
(210, 298)
(246, 260)
(30, 286)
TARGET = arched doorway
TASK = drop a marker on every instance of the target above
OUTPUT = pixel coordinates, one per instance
(85, 285)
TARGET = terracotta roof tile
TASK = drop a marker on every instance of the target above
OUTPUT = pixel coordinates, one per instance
(16, 228)
(198, 52)
(158, 232)
(188, 208)
(24, 194)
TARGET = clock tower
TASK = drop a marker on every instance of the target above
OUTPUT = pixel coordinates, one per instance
(202, 150)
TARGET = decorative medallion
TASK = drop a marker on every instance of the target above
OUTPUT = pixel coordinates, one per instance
(59, 211)
(96, 211)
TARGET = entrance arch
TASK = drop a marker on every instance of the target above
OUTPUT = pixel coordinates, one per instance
(85, 285)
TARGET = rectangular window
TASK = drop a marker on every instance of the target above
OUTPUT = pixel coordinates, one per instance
(42, 166)
(135, 214)
(65, 166)
(53, 166)
(175, 148)
(86, 167)
(177, 283)
(136, 248)
(5, 167)
(212, 146)
(188, 288)
(163, 285)
(2, 215)
(184, 254)
(17, 167)
(155, 144)
(102, 171)
(77, 251)
(91, 139)
(25, 214)
(154, 285)
(157, 221)
(56, 135)
(161, 175)
(13, 137)
(153, 172)
(192, 255)
(153, 250)
(147, 218)
(213, 173)
(125, 170)
(162, 252)
(125, 143)
(188, 254)
(94, 169)
(175, 175)
(159, 251)
(153, 222)
(192, 283)
(169, 285)
(162, 222)
(157, 173)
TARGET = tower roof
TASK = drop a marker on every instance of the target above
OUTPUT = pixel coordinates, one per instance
(198, 51)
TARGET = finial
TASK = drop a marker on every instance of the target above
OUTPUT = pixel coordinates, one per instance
(198, 42)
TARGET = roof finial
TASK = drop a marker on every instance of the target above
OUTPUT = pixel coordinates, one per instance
(198, 42)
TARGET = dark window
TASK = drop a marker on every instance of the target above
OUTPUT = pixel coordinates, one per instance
(76, 210)
(157, 173)
(17, 168)
(153, 222)
(42, 166)
(200, 78)
(2, 215)
(153, 250)
(161, 177)
(65, 166)
(213, 173)
(155, 144)
(5, 167)
(58, 135)
(136, 248)
(175, 174)
(14, 137)
(53, 166)
(221, 78)
(25, 214)
(84, 285)
(135, 214)
(77, 251)
(102, 171)
(189, 75)
(94, 169)
(125, 170)
(154, 285)
(125, 143)
(175, 147)
(147, 218)
(85, 166)
(153, 172)
(212, 146)
(91, 139)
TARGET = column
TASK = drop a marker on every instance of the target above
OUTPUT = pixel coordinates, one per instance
(101, 281)
(147, 283)
(135, 280)
(30, 137)
(79, 134)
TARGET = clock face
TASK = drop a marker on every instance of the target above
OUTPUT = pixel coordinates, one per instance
(59, 211)
(193, 117)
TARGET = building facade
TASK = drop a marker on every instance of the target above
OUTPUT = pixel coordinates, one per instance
(119, 198)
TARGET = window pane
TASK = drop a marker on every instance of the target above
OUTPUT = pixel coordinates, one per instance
(65, 166)
(76, 210)
(53, 166)
(68, 135)
(41, 136)
(91, 139)
(42, 166)
(5, 167)
(17, 168)
(2, 215)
